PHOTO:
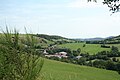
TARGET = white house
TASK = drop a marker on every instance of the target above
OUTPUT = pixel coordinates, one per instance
(78, 57)
(45, 52)
(59, 55)
(63, 53)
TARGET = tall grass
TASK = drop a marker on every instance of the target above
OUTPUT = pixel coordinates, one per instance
(18, 57)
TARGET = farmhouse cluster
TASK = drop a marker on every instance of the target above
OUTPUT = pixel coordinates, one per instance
(59, 54)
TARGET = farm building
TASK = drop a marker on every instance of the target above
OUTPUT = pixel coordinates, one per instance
(59, 55)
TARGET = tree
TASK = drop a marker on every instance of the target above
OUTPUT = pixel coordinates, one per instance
(79, 50)
(110, 65)
(90, 63)
(114, 5)
(82, 61)
(99, 63)
(75, 53)
(92, 0)
(84, 45)
(114, 59)
(114, 51)
(118, 67)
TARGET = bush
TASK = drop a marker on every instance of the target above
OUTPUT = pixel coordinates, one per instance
(17, 60)
(104, 46)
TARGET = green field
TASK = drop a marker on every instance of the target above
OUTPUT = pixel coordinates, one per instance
(54, 70)
(90, 48)
(116, 45)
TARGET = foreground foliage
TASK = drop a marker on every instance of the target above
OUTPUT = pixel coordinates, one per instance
(18, 59)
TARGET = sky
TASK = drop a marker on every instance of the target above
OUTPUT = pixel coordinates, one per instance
(67, 18)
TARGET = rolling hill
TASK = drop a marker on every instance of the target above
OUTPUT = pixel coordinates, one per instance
(108, 40)
(61, 42)
(54, 38)
(113, 40)
(54, 70)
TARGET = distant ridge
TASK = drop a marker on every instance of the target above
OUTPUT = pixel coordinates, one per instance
(113, 40)
(91, 39)
(109, 40)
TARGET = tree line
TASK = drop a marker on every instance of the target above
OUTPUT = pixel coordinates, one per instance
(104, 59)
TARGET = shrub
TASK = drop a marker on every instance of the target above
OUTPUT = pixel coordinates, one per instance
(105, 46)
(17, 60)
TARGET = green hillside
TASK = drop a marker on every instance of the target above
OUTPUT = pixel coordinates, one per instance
(90, 48)
(113, 40)
(54, 70)
(49, 37)
(55, 38)
(110, 40)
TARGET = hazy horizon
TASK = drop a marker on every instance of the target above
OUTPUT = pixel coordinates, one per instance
(67, 18)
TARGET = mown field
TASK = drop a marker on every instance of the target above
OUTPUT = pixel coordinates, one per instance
(54, 70)
(90, 48)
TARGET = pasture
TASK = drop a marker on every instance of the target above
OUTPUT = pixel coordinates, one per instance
(54, 70)
(89, 48)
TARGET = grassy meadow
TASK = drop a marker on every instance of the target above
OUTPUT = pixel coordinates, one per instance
(54, 70)
(116, 45)
(90, 48)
